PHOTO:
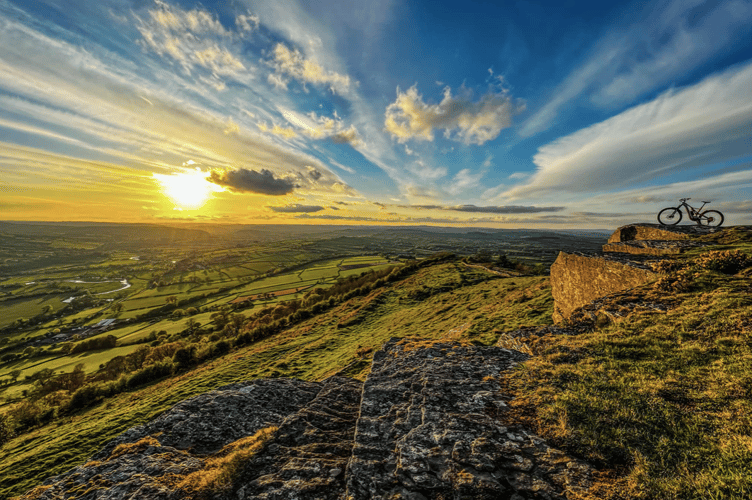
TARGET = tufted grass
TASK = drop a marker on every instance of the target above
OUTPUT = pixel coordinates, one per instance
(660, 401)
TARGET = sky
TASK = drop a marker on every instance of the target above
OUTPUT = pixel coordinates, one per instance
(538, 114)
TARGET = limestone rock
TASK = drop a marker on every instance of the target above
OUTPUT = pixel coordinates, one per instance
(650, 247)
(205, 423)
(659, 232)
(141, 472)
(426, 424)
(310, 451)
(428, 429)
(577, 279)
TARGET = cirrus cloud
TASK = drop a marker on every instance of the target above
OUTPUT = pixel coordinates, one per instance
(297, 208)
(705, 124)
(292, 63)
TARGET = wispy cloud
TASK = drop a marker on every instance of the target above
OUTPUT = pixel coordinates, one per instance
(669, 41)
(512, 209)
(291, 63)
(700, 125)
(191, 38)
(323, 127)
(461, 118)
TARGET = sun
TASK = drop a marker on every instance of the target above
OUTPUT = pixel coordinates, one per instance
(188, 190)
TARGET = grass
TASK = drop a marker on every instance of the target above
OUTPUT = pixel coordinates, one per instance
(661, 400)
(311, 350)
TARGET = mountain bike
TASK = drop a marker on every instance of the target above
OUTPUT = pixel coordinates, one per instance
(673, 215)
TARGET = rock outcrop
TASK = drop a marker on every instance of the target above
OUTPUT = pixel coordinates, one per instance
(577, 279)
(655, 239)
(428, 423)
(429, 428)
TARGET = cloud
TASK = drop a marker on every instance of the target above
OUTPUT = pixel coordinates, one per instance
(464, 180)
(512, 209)
(323, 127)
(249, 181)
(669, 41)
(343, 167)
(700, 125)
(292, 63)
(247, 22)
(285, 132)
(191, 38)
(289, 209)
(347, 136)
(461, 118)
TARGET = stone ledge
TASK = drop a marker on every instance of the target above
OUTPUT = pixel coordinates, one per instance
(658, 232)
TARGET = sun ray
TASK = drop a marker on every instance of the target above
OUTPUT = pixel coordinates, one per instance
(188, 190)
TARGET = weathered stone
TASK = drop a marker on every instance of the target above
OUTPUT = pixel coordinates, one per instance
(310, 449)
(428, 428)
(578, 279)
(205, 423)
(650, 247)
(144, 471)
(634, 232)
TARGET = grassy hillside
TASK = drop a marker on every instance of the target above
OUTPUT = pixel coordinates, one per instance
(443, 300)
(657, 391)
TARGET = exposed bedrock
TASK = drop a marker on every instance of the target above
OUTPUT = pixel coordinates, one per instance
(428, 423)
(578, 279)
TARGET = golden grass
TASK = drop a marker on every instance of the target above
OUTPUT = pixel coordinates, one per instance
(220, 470)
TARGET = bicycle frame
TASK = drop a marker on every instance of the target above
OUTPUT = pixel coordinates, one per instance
(692, 212)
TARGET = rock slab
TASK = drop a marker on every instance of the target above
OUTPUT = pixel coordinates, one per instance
(429, 429)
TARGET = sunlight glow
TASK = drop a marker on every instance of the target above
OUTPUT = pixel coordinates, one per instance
(188, 190)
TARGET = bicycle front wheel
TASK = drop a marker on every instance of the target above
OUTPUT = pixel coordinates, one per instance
(711, 218)
(669, 216)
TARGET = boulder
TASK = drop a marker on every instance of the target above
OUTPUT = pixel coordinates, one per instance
(577, 279)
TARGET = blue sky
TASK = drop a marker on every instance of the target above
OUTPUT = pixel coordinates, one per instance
(499, 114)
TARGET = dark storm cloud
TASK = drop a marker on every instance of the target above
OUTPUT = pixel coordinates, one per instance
(512, 209)
(290, 209)
(249, 181)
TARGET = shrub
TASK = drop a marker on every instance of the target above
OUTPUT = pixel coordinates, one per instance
(95, 344)
(6, 429)
(728, 262)
(184, 357)
(150, 373)
(84, 396)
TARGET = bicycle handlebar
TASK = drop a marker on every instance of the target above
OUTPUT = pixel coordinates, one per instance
(684, 199)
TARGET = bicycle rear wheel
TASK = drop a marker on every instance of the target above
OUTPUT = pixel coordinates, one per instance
(710, 218)
(669, 216)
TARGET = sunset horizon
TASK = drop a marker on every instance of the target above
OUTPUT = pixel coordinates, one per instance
(263, 112)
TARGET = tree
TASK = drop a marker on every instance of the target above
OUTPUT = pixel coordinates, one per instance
(117, 308)
(172, 300)
(14, 375)
(6, 429)
(192, 325)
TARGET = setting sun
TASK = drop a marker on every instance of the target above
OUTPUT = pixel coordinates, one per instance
(188, 190)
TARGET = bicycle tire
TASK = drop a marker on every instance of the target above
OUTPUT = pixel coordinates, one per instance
(668, 214)
(716, 218)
